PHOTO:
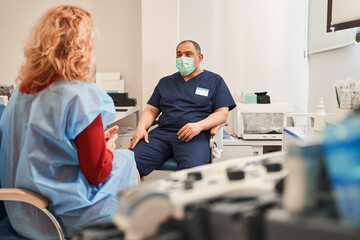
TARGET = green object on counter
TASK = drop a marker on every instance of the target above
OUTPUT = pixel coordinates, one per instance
(250, 99)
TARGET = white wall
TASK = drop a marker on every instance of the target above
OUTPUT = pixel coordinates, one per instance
(160, 35)
(328, 66)
(117, 48)
(17, 17)
(255, 45)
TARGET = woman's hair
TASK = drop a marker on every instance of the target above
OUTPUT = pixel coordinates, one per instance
(60, 46)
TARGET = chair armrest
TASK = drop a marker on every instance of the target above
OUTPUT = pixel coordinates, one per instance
(14, 194)
(214, 130)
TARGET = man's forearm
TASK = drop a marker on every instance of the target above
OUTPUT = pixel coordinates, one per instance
(148, 117)
(146, 120)
(215, 119)
(190, 130)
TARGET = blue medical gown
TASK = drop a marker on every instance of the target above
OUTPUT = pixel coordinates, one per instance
(38, 153)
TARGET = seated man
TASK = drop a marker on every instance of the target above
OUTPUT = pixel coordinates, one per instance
(191, 101)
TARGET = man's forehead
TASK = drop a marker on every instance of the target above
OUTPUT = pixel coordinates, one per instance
(186, 47)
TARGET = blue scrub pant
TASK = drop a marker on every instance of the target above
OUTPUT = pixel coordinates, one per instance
(164, 144)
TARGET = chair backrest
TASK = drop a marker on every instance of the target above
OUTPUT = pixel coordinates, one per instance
(22, 195)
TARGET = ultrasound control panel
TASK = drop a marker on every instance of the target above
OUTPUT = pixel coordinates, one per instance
(143, 208)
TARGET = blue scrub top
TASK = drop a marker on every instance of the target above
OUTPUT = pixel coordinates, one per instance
(183, 102)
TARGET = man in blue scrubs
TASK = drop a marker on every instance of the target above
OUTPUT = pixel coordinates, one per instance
(191, 102)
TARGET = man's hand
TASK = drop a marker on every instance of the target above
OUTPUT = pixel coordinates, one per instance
(190, 130)
(138, 135)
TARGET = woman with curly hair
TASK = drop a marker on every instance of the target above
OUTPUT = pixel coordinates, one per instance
(52, 138)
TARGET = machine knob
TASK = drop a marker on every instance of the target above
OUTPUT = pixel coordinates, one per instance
(235, 174)
(196, 176)
(273, 167)
(188, 184)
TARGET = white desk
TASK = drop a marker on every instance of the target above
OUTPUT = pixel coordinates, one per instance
(124, 138)
(298, 135)
(127, 111)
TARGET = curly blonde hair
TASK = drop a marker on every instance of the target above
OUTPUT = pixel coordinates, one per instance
(60, 47)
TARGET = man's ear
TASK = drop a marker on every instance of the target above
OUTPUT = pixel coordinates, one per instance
(201, 57)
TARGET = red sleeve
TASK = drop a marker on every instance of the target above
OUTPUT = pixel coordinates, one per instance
(95, 159)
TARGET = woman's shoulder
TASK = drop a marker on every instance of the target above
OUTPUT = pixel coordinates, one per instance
(73, 85)
(76, 87)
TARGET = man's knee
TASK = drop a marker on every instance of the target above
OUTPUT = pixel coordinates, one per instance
(194, 158)
(149, 156)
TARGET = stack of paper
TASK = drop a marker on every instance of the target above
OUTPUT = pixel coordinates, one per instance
(110, 81)
(3, 100)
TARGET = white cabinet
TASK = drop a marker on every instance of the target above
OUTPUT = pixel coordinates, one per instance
(124, 140)
(234, 151)
(235, 148)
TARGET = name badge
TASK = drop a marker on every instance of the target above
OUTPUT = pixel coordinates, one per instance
(202, 91)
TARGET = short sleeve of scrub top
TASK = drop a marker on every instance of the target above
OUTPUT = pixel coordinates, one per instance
(222, 96)
(86, 108)
(155, 98)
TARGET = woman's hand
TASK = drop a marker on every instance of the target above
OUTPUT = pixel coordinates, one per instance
(111, 135)
(110, 143)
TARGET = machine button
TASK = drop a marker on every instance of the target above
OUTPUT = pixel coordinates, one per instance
(273, 167)
(235, 174)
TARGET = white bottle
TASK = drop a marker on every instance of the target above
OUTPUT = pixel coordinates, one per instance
(320, 115)
(242, 97)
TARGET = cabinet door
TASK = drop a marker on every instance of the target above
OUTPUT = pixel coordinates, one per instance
(123, 141)
(230, 152)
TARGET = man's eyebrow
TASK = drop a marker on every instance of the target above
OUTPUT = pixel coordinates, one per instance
(184, 52)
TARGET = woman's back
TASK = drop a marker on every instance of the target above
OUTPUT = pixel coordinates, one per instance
(38, 153)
